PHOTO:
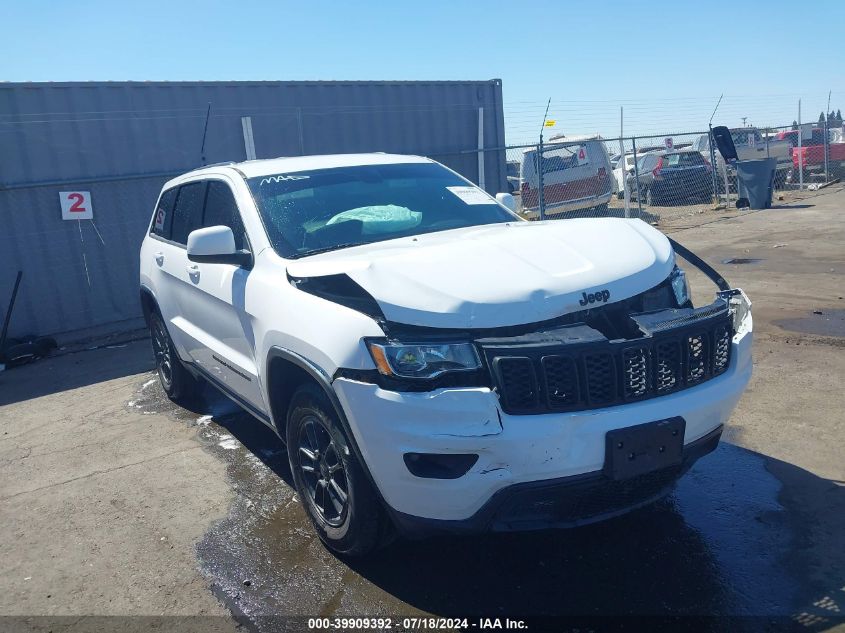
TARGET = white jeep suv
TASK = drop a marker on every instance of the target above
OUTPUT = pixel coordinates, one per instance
(433, 362)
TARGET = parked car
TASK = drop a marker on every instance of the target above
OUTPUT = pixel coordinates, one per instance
(622, 167)
(433, 363)
(810, 156)
(576, 177)
(750, 144)
(672, 177)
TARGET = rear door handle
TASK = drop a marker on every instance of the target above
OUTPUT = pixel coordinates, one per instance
(159, 258)
(193, 269)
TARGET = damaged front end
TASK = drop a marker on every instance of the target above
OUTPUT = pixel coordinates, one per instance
(579, 367)
(648, 345)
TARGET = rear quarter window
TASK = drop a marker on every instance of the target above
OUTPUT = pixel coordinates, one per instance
(163, 216)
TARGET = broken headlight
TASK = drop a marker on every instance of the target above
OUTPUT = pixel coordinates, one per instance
(422, 360)
(680, 286)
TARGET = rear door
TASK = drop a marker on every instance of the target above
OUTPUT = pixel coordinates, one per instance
(179, 211)
(222, 341)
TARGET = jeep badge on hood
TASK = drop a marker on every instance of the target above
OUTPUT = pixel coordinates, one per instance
(601, 297)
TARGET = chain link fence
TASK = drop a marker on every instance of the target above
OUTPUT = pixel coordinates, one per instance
(663, 177)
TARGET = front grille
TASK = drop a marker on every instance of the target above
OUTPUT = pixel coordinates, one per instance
(518, 374)
(555, 376)
(600, 374)
(635, 377)
(561, 379)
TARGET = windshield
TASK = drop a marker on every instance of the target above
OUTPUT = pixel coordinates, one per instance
(684, 159)
(327, 209)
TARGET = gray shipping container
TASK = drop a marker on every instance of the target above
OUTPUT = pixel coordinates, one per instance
(122, 140)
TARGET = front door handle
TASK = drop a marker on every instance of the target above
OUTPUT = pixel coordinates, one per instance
(159, 258)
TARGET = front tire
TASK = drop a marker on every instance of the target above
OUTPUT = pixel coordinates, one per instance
(335, 492)
(178, 383)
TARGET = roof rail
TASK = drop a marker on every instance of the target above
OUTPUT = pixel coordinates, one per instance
(225, 162)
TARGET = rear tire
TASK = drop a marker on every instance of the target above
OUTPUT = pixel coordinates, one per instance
(335, 492)
(178, 383)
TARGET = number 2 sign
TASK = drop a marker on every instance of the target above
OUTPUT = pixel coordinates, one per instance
(76, 205)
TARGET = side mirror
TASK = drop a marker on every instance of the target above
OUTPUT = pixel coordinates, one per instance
(724, 143)
(506, 200)
(216, 245)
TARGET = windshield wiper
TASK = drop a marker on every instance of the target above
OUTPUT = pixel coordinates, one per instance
(326, 249)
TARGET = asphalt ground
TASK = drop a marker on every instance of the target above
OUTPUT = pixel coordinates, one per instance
(121, 510)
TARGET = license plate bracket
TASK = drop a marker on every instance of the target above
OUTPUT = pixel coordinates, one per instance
(644, 448)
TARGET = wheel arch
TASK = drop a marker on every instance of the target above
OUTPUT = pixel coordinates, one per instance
(148, 303)
(286, 371)
(284, 363)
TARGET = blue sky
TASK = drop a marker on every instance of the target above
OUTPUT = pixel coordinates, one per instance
(664, 62)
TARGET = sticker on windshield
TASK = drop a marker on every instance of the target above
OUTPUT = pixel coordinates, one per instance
(471, 195)
(282, 178)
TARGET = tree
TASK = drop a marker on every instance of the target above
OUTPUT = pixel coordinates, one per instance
(794, 124)
(838, 117)
(821, 118)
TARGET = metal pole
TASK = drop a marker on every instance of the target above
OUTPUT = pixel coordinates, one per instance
(249, 139)
(826, 140)
(713, 154)
(626, 194)
(713, 163)
(541, 198)
(637, 177)
(800, 153)
(481, 179)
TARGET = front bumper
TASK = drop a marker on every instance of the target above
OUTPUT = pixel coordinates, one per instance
(564, 502)
(513, 450)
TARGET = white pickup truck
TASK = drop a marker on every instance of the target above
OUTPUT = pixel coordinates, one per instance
(751, 144)
(433, 362)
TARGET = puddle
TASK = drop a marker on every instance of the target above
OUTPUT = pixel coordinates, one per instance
(721, 544)
(742, 260)
(828, 323)
(704, 550)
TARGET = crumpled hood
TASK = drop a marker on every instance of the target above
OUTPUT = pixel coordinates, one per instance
(503, 274)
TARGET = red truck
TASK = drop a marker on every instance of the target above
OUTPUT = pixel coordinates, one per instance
(811, 153)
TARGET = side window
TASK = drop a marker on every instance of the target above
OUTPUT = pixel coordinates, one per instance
(187, 214)
(163, 218)
(222, 210)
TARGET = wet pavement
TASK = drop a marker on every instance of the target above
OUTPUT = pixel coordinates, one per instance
(742, 260)
(824, 322)
(728, 541)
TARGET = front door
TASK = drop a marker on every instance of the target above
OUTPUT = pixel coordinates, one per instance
(218, 327)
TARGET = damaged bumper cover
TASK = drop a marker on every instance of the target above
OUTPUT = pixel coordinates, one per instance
(563, 502)
(517, 449)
